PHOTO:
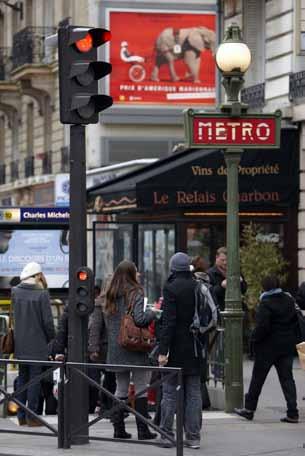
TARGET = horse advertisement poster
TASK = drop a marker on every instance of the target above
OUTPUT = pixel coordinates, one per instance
(162, 57)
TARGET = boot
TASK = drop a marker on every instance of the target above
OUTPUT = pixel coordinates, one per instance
(117, 419)
(143, 430)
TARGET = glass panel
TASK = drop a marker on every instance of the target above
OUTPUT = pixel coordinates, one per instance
(156, 246)
(113, 243)
(204, 240)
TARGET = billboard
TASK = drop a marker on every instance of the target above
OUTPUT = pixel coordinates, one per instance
(162, 57)
(47, 247)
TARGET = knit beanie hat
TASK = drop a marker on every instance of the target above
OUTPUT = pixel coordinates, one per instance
(30, 270)
(180, 262)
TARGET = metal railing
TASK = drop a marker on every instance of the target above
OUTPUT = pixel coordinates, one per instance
(51, 366)
(28, 45)
(254, 95)
(296, 85)
(64, 432)
(216, 359)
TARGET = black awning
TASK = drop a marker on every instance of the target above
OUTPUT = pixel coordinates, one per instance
(268, 179)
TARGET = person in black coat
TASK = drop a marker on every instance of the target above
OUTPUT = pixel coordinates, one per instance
(218, 278)
(274, 339)
(177, 349)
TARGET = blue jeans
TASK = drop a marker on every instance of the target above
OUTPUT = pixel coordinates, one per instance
(32, 394)
(192, 413)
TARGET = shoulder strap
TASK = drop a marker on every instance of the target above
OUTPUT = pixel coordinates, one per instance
(10, 318)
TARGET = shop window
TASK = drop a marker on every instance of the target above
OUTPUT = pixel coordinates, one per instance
(204, 240)
(112, 244)
(156, 246)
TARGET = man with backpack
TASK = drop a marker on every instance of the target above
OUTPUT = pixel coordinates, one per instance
(182, 344)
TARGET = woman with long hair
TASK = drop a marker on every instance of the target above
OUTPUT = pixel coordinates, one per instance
(123, 291)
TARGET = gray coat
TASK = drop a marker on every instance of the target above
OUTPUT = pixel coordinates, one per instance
(97, 334)
(33, 321)
(117, 354)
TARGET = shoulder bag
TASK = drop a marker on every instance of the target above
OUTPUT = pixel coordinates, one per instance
(7, 345)
(132, 337)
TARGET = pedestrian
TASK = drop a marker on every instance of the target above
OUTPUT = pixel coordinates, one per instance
(218, 278)
(177, 349)
(97, 348)
(199, 266)
(33, 330)
(274, 340)
(124, 289)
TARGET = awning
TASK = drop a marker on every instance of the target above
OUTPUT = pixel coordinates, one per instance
(268, 179)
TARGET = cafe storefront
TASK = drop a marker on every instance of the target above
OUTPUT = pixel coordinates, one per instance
(179, 203)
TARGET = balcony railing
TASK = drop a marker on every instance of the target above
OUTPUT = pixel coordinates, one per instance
(254, 96)
(5, 63)
(47, 163)
(29, 166)
(14, 170)
(28, 45)
(65, 159)
(2, 174)
(296, 85)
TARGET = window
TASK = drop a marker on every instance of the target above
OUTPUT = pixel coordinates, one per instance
(29, 13)
(2, 139)
(254, 36)
(30, 129)
(300, 26)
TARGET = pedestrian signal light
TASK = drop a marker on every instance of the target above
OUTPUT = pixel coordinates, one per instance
(84, 303)
(79, 73)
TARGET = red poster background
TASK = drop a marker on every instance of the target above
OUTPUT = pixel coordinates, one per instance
(140, 30)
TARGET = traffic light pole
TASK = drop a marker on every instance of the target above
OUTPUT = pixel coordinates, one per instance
(77, 325)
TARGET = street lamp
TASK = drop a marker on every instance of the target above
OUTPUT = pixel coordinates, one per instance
(233, 58)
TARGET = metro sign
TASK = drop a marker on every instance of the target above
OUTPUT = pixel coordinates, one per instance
(219, 130)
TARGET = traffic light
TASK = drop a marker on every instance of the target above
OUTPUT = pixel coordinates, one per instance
(79, 72)
(84, 303)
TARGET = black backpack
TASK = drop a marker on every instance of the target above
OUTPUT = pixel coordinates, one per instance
(205, 315)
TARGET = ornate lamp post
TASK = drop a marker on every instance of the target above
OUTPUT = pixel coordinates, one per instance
(233, 58)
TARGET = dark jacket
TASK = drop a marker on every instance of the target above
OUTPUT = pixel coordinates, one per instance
(97, 334)
(218, 292)
(115, 353)
(33, 321)
(300, 296)
(59, 345)
(276, 322)
(178, 311)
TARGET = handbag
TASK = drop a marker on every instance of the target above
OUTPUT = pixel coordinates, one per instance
(132, 337)
(7, 345)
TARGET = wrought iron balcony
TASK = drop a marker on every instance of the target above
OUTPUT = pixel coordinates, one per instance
(296, 85)
(254, 96)
(47, 162)
(14, 165)
(29, 166)
(2, 174)
(5, 63)
(28, 45)
(65, 159)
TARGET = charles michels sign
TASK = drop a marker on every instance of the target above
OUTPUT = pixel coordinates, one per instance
(220, 130)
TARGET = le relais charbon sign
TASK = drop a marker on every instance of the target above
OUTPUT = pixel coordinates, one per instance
(208, 130)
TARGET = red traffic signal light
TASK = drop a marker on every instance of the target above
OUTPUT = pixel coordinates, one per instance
(79, 72)
(82, 275)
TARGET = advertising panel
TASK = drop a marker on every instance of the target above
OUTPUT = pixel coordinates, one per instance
(162, 57)
(47, 247)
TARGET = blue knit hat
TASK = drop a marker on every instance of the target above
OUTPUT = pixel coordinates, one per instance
(180, 262)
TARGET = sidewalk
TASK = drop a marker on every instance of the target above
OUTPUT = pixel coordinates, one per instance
(223, 434)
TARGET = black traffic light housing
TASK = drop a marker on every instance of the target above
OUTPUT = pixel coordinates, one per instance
(79, 72)
(84, 295)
